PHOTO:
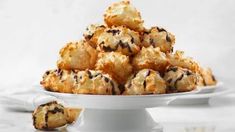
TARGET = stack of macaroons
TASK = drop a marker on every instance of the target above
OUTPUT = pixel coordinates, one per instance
(122, 57)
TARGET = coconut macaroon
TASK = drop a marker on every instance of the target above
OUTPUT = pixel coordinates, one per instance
(49, 116)
(151, 58)
(179, 79)
(119, 39)
(178, 59)
(123, 13)
(207, 77)
(158, 37)
(77, 55)
(92, 33)
(146, 81)
(59, 80)
(115, 64)
(95, 82)
(53, 115)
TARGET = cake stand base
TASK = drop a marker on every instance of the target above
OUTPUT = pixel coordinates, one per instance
(130, 120)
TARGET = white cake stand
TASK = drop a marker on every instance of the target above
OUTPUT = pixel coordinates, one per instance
(115, 113)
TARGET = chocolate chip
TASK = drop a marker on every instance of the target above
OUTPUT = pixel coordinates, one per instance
(106, 79)
(213, 77)
(102, 26)
(151, 41)
(101, 43)
(97, 74)
(204, 82)
(178, 79)
(46, 121)
(188, 73)
(146, 32)
(169, 80)
(58, 71)
(55, 110)
(113, 31)
(174, 69)
(89, 74)
(60, 74)
(121, 88)
(144, 84)
(76, 78)
(120, 43)
(132, 40)
(134, 75)
(172, 49)
(147, 73)
(73, 71)
(124, 45)
(47, 72)
(161, 29)
(162, 74)
(107, 48)
(88, 37)
(113, 88)
(168, 39)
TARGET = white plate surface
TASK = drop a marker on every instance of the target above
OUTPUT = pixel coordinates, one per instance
(138, 101)
(117, 101)
(210, 89)
(202, 96)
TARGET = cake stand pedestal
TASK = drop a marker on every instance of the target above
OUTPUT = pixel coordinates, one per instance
(137, 120)
(116, 113)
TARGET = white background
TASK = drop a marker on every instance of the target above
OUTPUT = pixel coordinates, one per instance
(33, 31)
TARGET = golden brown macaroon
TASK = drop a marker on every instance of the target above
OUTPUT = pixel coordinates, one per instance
(123, 14)
(207, 77)
(151, 58)
(179, 79)
(159, 37)
(119, 39)
(49, 116)
(53, 115)
(95, 82)
(77, 55)
(146, 81)
(116, 65)
(178, 59)
(58, 80)
(92, 33)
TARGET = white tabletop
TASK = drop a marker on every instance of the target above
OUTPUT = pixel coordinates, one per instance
(217, 116)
